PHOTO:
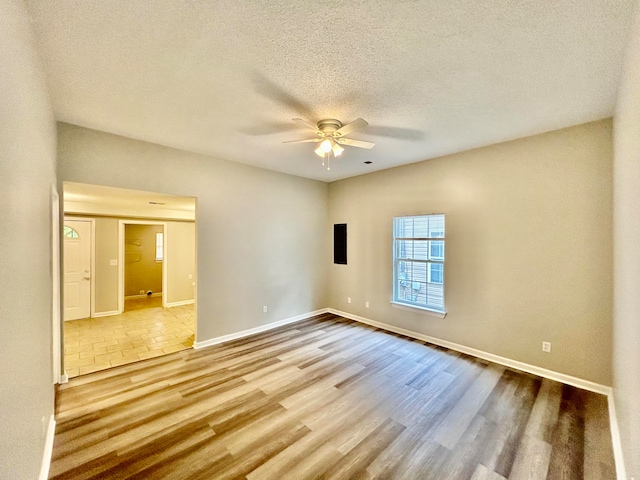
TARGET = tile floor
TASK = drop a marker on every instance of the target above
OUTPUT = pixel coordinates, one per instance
(144, 330)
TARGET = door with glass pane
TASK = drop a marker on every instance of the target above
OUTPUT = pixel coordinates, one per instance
(77, 269)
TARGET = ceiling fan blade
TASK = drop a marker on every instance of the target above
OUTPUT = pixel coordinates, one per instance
(355, 143)
(395, 132)
(277, 94)
(305, 124)
(308, 140)
(357, 124)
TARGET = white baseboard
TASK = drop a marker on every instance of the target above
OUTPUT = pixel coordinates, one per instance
(48, 449)
(134, 297)
(260, 329)
(64, 378)
(621, 473)
(182, 302)
(106, 314)
(525, 367)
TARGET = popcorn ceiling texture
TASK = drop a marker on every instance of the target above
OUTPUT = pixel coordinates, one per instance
(225, 78)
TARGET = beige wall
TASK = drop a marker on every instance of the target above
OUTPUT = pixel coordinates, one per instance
(528, 252)
(141, 271)
(27, 173)
(181, 261)
(106, 275)
(260, 233)
(626, 307)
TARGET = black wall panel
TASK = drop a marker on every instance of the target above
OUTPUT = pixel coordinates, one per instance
(340, 243)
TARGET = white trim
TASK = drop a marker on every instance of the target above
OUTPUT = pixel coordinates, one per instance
(48, 449)
(64, 378)
(621, 473)
(93, 267)
(181, 302)
(106, 314)
(416, 309)
(133, 297)
(121, 224)
(260, 329)
(195, 272)
(56, 334)
(525, 367)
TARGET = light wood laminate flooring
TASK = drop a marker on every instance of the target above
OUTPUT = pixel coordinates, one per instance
(144, 330)
(327, 398)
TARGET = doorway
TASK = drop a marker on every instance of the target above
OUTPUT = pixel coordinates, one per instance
(142, 251)
(142, 265)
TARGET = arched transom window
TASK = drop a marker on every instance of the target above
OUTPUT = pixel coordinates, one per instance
(70, 232)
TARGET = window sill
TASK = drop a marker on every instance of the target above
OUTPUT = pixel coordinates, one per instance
(422, 310)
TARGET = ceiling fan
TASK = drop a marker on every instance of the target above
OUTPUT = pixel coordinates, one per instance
(331, 136)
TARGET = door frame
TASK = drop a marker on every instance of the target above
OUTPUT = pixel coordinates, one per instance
(92, 249)
(121, 226)
(56, 315)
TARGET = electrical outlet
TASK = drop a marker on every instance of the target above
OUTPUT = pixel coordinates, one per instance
(113, 262)
(546, 347)
(366, 304)
(264, 309)
(141, 292)
(190, 276)
(348, 299)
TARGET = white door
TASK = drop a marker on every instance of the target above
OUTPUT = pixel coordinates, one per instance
(77, 269)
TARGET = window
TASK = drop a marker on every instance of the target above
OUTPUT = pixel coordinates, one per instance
(418, 261)
(159, 247)
(70, 232)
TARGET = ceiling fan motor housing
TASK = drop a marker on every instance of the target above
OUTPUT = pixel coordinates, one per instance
(329, 125)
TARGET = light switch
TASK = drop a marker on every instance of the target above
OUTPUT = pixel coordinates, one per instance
(113, 262)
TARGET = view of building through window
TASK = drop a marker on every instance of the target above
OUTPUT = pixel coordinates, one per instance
(418, 261)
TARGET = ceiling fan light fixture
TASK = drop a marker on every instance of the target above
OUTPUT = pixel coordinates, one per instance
(331, 136)
(326, 145)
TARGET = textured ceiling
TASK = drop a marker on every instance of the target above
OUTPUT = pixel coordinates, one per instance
(224, 78)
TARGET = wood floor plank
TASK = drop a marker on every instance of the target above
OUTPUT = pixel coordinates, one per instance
(532, 460)
(460, 417)
(597, 448)
(483, 473)
(545, 411)
(328, 398)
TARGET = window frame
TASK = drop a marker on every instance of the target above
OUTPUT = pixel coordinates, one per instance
(159, 247)
(403, 303)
